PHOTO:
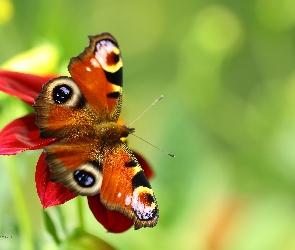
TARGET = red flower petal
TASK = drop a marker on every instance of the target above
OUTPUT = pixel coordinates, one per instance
(112, 221)
(145, 166)
(20, 135)
(50, 193)
(23, 86)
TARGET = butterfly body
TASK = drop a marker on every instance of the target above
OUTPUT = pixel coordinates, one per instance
(90, 155)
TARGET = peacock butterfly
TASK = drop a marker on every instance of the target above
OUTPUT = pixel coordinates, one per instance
(90, 155)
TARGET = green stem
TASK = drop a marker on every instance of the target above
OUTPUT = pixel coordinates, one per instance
(22, 210)
(80, 212)
(61, 219)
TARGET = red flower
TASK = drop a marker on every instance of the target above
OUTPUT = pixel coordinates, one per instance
(23, 134)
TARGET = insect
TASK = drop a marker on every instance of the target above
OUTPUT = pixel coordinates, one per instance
(90, 155)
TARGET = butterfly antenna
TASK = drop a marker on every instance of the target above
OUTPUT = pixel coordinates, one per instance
(172, 155)
(154, 102)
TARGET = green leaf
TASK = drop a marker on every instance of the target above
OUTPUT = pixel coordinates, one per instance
(81, 240)
(61, 218)
(49, 224)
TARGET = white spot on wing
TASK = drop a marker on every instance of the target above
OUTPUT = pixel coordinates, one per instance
(128, 200)
(94, 63)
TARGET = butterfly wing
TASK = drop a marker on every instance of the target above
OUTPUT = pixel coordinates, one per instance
(61, 109)
(98, 74)
(126, 189)
(63, 113)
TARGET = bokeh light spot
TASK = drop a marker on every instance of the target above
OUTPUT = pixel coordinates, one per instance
(40, 60)
(6, 11)
(217, 29)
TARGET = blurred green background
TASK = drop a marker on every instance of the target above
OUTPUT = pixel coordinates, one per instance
(226, 69)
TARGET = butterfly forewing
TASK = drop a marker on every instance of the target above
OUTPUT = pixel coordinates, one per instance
(100, 66)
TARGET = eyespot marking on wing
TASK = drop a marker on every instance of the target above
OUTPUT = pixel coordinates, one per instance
(64, 91)
(108, 55)
(85, 179)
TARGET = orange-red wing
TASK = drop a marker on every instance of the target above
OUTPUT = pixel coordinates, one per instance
(74, 165)
(62, 110)
(126, 189)
(98, 74)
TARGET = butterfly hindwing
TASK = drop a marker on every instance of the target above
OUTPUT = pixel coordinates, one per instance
(125, 187)
(79, 170)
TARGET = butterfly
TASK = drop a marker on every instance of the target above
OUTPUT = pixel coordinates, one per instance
(90, 155)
